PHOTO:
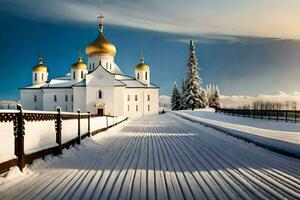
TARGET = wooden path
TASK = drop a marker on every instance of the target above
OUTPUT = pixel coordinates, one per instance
(162, 157)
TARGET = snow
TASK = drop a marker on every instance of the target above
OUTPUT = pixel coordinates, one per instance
(7, 151)
(39, 135)
(279, 135)
(161, 157)
(42, 134)
(164, 102)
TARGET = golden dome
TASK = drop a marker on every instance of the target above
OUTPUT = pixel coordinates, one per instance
(142, 66)
(40, 67)
(80, 64)
(101, 46)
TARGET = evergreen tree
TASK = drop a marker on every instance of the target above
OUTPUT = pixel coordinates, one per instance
(175, 98)
(215, 98)
(193, 95)
(183, 88)
(204, 97)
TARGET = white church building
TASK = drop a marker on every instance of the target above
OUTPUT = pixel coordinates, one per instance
(99, 86)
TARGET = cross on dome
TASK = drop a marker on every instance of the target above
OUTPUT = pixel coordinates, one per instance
(101, 22)
(142, 57)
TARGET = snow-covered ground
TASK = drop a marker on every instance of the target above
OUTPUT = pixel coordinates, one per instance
(280, 135)
(161, 157)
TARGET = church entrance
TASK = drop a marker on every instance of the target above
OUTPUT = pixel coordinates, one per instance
(100, 112)
(100, 109)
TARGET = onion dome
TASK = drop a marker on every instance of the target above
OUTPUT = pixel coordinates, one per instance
(101, 46)
(142, 66)
(40, 67)
(79, 64)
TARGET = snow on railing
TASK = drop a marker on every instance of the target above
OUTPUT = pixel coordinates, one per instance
(27, 135)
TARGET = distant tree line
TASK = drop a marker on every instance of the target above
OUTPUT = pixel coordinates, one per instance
(192, 95)
(271, 105)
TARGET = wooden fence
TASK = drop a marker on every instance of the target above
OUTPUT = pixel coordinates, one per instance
(19, 117)
(278, 115)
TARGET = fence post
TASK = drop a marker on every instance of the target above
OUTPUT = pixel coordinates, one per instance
(19, 138)
(89, 124)
(58, 127)
(79, 134)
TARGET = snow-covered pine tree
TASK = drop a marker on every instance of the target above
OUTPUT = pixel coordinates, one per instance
(192, 97)
(175, 98)
(204, 97)
(183, 90)
(217, 98)
(214, 98)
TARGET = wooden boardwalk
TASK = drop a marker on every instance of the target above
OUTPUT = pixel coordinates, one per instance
(162, 157)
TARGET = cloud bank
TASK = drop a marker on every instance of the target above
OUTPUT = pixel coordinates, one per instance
(237, 101)
(264, 18)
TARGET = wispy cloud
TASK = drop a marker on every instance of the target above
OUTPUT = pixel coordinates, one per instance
(265, 18)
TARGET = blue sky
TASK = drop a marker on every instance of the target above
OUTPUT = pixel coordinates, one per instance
(246, 47)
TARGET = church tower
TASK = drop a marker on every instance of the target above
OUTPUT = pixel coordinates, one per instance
(142, 71)
(102, 52)
(79, 69)
(39, 73)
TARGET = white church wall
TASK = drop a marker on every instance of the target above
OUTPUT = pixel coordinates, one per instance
(106, 61)
(107, 99)
(102, 80)
(49, 100)
(119, 107)
(39, 77)
(139, 107)
(79, 98)
(153, 102)
(28, 100)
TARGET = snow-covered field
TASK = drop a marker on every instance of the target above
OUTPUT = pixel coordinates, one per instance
(160, 157)
(281, 136)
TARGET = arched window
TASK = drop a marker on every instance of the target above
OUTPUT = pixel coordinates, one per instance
(34, 98)
(146, 76)
(136, 108)
(81, 74)
(93, 65)
(99, 94)
(138, 75)
(55, 98)
(35, 76)
(110, 65)
(66, 98)
(148, 97)
(106, 65)
(42, 76)
(148, 107)
(135, 97)
(74, 75)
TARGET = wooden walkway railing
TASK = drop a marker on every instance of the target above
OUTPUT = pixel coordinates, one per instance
(18, 118)
(278, 115)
